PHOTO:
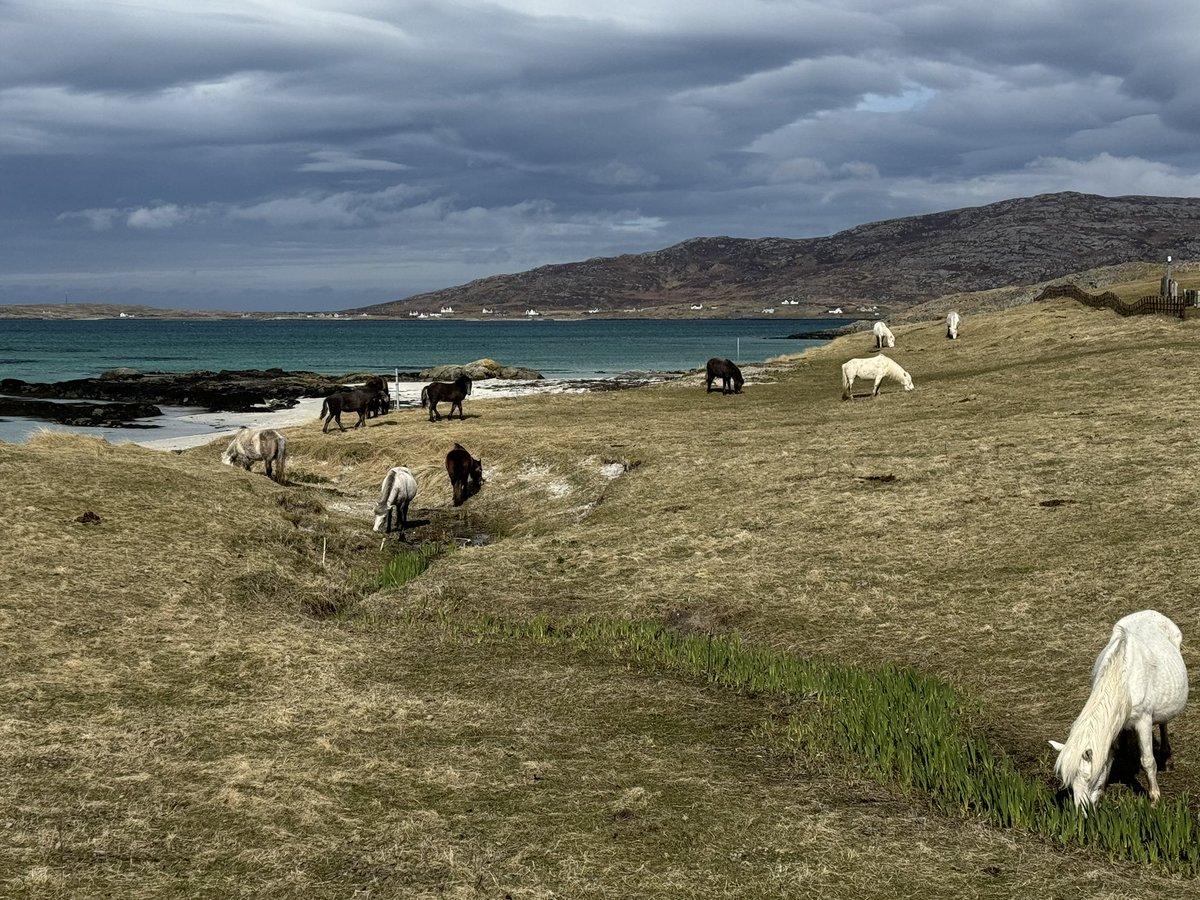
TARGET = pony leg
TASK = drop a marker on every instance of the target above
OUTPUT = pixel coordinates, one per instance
(875, 393)
(1145, 735)
(1164, 747)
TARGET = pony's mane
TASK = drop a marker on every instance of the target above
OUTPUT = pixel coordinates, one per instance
(1106, 710)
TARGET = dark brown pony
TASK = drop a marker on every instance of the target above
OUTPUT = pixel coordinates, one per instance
(466, 473)
(361, 401)
(730, 375)
(383, 397)
(449, 391)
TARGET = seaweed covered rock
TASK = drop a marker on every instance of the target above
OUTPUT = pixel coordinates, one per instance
(480, 370)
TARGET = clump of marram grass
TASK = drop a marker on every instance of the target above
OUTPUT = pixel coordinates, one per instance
(900, 727)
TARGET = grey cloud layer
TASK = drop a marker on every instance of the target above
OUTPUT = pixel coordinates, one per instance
(234, 153)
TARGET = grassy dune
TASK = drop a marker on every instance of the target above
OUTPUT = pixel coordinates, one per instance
(209, 693)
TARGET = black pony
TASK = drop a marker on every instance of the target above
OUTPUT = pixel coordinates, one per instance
(449, 391)
(466, 473)
(382, 403)
(361, 401)
(727, 372)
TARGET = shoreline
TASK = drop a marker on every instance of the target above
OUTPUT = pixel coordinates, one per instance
(196, 427)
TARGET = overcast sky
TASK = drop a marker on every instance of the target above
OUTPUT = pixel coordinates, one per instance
(279, 154)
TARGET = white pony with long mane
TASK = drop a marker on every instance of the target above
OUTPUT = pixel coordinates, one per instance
(1139, 680)
(251, 445)
(397, 491)
(952, 320)
(882, 334)
(876, 367)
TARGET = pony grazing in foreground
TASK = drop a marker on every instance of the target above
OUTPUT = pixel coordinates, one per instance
(452, 392)
(882, 333)
(398, 490)
(1139, 680)
(466, 473)
(727, 371)
(876, 367)
(250, 445)
(952, 320)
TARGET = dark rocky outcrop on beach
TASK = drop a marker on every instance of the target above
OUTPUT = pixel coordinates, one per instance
(249, 390)
(107, 415)
(129, 394)
(895, 264)
(828, 334)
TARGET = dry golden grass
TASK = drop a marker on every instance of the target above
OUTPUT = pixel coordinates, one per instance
(205, 694)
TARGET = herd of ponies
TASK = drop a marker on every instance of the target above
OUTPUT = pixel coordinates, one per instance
(399, 488)
(1139, 680)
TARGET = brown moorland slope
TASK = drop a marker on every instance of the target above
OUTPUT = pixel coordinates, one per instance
(210, 691)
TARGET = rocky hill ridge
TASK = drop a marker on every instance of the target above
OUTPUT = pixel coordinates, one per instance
(896, 263)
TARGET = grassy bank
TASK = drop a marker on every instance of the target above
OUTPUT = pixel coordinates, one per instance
(209, 693)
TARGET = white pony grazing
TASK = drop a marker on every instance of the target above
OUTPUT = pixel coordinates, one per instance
(882, 333)
(250, 445)
(952, 320)
(1139, 680)
(876, 367)
(398, 490)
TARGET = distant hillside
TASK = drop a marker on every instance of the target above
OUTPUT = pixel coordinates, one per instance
(894, 264)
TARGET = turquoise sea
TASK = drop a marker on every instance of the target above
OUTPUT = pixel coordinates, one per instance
(56, 350)
(59, 350)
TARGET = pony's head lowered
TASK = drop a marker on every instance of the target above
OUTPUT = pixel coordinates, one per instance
(906, 380)
(236, 450)
(1081, 776)
(1085, 759)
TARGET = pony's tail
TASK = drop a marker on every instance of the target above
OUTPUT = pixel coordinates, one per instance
(845, 384)
(424, 397)
(324, 407)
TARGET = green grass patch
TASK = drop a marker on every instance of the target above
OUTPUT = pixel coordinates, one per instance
(904, 729)
(407, 565)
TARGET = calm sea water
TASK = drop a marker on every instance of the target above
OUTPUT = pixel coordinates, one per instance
(45, 350)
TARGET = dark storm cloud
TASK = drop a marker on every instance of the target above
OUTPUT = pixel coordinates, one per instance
(276, 152)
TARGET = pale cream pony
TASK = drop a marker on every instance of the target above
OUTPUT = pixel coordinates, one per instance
(1139, 680)
(876, 367)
